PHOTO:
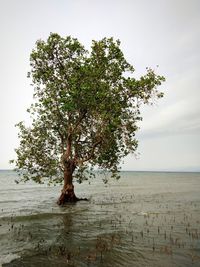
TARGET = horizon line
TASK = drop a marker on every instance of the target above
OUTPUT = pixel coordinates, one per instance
(185, 171)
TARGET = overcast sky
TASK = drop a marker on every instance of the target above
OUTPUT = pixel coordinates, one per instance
(156, 32)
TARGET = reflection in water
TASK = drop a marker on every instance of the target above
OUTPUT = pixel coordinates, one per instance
(144, 221)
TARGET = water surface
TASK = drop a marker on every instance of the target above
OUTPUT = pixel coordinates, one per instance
(144, 219)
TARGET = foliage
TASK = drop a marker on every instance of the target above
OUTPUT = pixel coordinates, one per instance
(86, 104)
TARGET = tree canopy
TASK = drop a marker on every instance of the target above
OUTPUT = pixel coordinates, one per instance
(85, 110)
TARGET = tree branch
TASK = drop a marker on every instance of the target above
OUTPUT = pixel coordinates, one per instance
(68, 149)
(90, 153)
(82, 116)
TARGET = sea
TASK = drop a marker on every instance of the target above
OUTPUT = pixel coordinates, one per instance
(143, 219)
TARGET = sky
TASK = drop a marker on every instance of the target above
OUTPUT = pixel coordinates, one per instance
(157, 32)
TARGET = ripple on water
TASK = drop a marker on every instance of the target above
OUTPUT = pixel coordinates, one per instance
(137, 224)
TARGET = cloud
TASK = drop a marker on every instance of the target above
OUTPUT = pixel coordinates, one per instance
(178, 118)
(164, 33)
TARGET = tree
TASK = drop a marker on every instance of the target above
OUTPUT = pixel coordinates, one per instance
(85, 111)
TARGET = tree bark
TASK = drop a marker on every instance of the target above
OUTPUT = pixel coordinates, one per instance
(67, 193)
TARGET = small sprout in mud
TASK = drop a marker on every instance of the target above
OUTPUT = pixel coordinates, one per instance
(132, 239)
(142, 234)
(165, 235)
(153, 245)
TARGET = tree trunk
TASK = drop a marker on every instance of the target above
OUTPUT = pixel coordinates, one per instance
(67, 193)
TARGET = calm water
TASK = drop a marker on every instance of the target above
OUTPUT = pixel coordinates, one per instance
(144, 219)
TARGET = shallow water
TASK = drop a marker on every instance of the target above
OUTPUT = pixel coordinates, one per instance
(144, 219)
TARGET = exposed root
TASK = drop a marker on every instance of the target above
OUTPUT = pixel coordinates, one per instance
(68, 195)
